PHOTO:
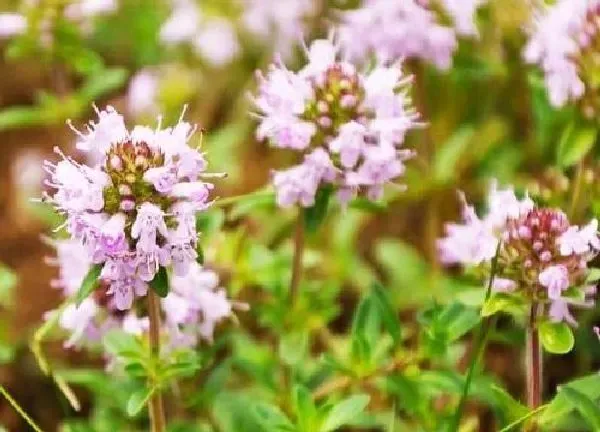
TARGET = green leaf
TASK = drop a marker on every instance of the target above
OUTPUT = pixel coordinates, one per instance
(137, 401)
(588, 409)
(101, 83)
(367, 205)
(556, 337)
(576, 141)
(160, 283)
(314, 216)
(136, 370)
(200, 254)
(306, 411)
(272, 418)
(89, 283)
(388, 315)
(223, 146)
(263, 198)
(21, 116)
(503, 400)
(293, 348)
(234, 412)
(344, 412)
(451, 153)
(593, 275)
(120, 343)
(560, 406)
(501, 302)
(185, 364)
(405, 269)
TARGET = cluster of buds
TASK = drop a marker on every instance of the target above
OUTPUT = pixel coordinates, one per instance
(565, 44)
(134, 210)
(539, 254)
(192, 309)
(408, 29)
(349, 125)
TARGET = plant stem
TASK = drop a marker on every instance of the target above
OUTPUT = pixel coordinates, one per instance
(297, 260)
(578, 181)
(20, 410)
(481, 341)
(533, 363)
(155, 407)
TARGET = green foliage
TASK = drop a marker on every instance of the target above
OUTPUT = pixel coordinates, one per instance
(561, 406)
(89, 283)
(52, 109)
(138, 400)
(160, 283)
(575, 142)
(588, 409)
(557, 338)
(314, 216)
(344, 412)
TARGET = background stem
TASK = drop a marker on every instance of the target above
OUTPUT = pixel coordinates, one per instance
(155, 407)
(533, 363)
(297, 260)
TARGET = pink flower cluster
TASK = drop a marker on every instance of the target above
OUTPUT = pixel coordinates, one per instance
(564, 43)
(407, 29)
(541, 255)
(280, 22)
(133, 210)
(212, 38)
(347, 124)
(192, 309)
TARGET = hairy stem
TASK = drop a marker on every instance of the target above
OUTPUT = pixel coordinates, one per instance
(533, 363)
(155, 407)
(297, 260)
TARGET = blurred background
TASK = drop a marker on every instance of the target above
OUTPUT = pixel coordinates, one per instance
(487, 117)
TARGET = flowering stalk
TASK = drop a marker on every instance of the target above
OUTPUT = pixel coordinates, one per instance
(482, 337)
(542, 263)
(297, 260)
(534, 367)
(155, 407)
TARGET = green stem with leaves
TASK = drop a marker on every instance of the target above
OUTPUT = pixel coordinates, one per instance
(155, 407)
(297, 259)
(481, 341)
